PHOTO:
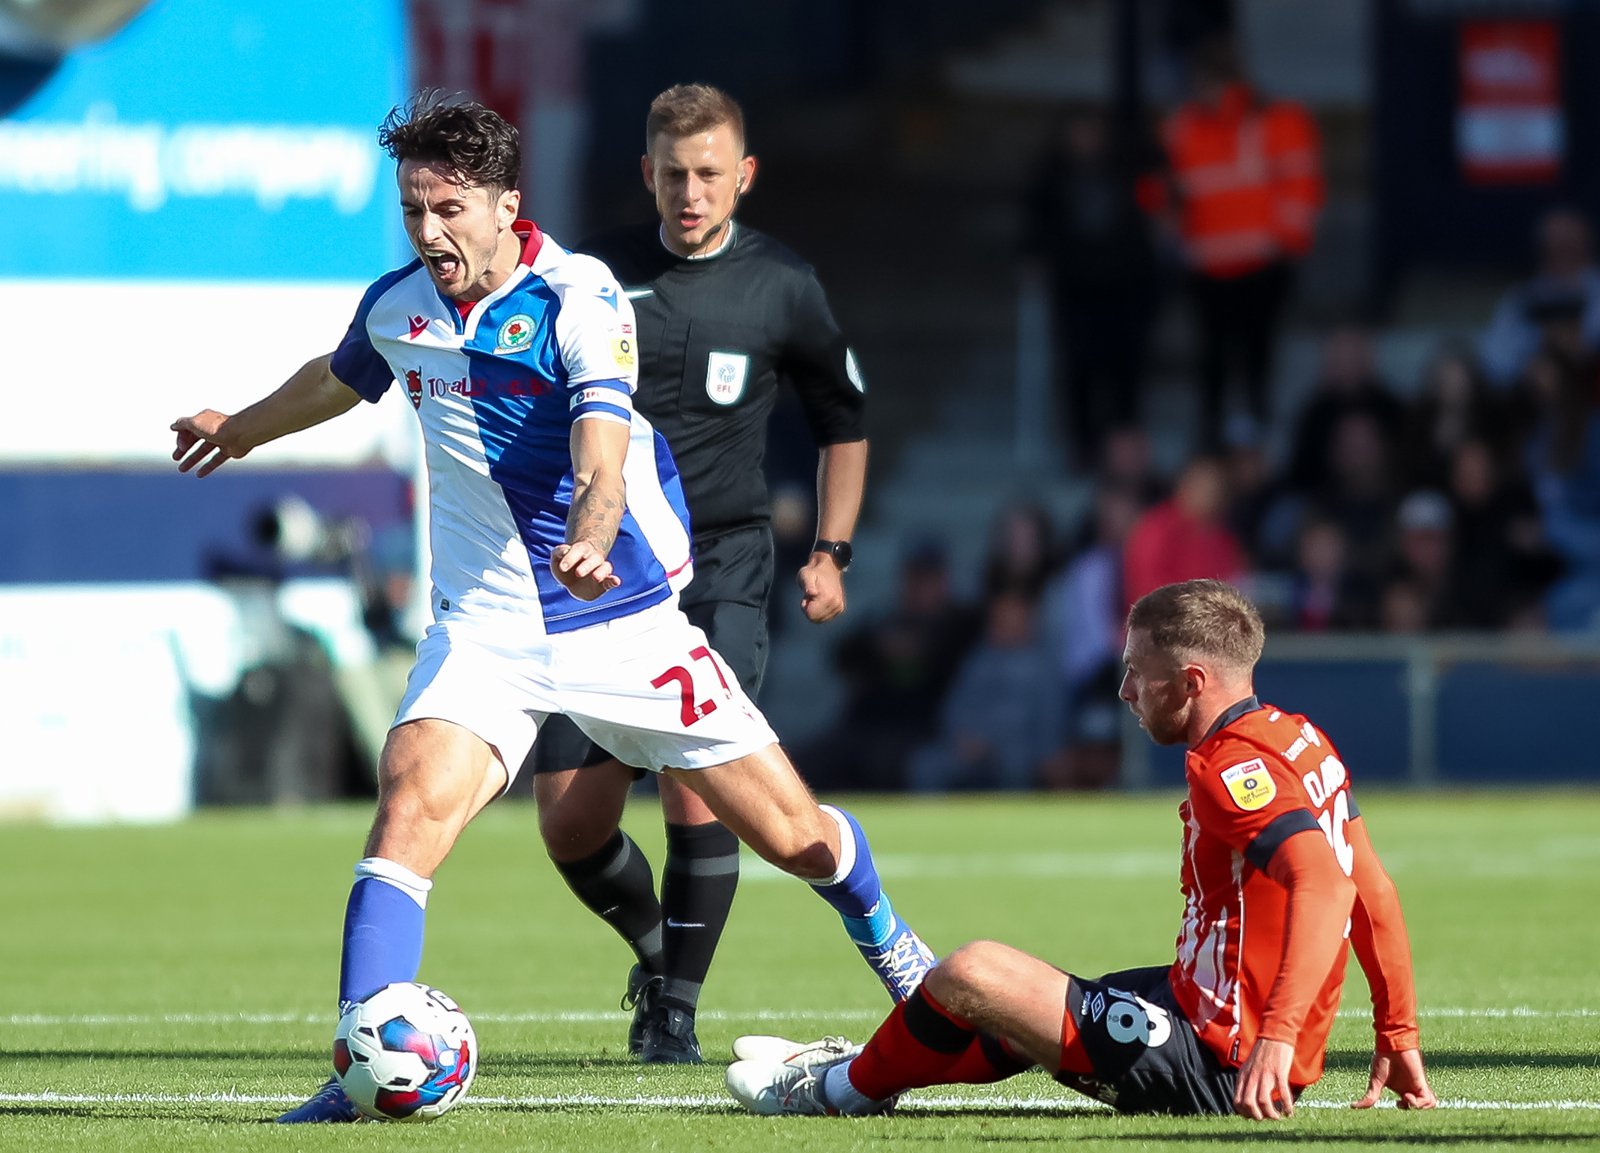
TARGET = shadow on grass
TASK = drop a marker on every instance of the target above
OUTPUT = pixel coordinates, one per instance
(1452, 1140)
(1445, 1059)
(912, 1125)
(211, 1056)
(209, 1113)
(512, 1063)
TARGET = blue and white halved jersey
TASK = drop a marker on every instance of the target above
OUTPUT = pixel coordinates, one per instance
(497, 391)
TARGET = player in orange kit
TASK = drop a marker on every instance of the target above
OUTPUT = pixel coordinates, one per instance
(1276, 867)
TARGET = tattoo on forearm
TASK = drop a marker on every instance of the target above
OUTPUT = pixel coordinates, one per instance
(595, 516)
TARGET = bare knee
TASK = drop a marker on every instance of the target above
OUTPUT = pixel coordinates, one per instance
(417, 800)
(571, 833)
(433, 778)
(969, 975)
(580, 809)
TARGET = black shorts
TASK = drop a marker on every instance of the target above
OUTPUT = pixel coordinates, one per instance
(727, 600)
(1146, 1056)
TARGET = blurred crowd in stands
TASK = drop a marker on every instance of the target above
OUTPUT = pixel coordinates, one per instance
(1468, 499)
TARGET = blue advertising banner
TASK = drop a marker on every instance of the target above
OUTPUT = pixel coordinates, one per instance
(209, 139)
(192, 198)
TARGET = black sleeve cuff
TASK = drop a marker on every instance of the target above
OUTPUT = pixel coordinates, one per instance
(1276, 833)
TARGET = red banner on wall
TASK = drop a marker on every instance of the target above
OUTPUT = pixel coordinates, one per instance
(1510, 125)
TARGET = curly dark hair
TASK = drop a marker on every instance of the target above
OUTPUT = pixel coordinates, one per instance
(476, 143)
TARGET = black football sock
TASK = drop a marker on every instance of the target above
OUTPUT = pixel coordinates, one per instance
(618, 887)
(702, 872)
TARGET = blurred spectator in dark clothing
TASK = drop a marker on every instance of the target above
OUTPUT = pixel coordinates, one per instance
(1347, 383)
(896, 671)
(1001, 718)
(1260, 511)
(1084, 613)
(1403, 608)
(1183, 537)
(1359, 494)
(1088, 235)
(1327, 595)
(1452, 406)
(1565, 266)
(1246, 189)
(1425, 555)
(1022, 550)
(1563, 464)
(1501, 564)
(1086, 600)
(1128, 462)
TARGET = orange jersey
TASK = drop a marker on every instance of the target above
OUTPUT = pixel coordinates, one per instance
(1249, 181)
(1258, 782)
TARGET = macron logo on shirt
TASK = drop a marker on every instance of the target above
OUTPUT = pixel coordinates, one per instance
(419, 325)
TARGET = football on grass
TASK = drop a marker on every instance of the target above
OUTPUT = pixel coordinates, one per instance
(406, 1053)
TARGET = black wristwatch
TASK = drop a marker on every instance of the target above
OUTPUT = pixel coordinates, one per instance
(839, 550)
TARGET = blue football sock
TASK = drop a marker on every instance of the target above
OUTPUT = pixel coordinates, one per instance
(854, 890)
(382, 929)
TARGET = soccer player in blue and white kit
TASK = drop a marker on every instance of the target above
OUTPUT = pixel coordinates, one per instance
(559, 539)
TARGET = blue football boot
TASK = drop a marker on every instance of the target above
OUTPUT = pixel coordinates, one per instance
(329, 1105)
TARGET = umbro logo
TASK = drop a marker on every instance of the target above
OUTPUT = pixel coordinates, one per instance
(419, 325)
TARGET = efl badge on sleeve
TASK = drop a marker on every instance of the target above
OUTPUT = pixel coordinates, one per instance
(1250, 784)
(725, 376)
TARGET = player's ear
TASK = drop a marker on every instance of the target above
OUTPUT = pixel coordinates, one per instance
(647, 169)
(1194, 679)
(506, 207)
(745, 177)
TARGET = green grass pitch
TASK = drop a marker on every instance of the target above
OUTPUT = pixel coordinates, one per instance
(164, 988)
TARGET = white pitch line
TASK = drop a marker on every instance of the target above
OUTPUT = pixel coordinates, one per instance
(701, 1102)
(601, 1016)
(577, 1016)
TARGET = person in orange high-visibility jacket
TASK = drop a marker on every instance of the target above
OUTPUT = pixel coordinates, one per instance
(1243, 196)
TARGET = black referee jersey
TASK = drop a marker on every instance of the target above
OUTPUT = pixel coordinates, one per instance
(717, 335)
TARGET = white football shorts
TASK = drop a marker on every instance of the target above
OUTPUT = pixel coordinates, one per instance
(647, 687)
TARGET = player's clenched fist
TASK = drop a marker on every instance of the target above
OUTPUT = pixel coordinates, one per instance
(583, 570)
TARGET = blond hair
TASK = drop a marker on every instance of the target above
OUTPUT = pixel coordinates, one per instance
(685, 109)
(1203, 619)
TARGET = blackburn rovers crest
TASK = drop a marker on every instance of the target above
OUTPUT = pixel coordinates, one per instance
(726, 373)
(514, 335)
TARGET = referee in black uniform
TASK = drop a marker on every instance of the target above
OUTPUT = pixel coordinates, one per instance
(725, 315)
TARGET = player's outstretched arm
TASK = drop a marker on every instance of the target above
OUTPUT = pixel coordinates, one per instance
(1320, 900)
(599, 449)
(841, 483)
(209, 439)
(1383, 948)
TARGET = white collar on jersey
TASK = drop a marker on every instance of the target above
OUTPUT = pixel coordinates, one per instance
(727, 243)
